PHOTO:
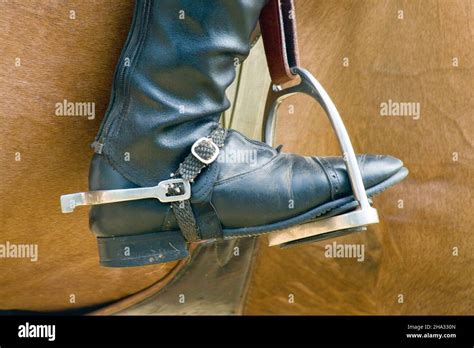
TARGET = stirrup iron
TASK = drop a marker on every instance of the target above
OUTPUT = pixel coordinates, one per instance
(357, 219)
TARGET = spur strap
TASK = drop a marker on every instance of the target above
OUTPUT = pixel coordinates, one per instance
(278, 27)
(203, 152)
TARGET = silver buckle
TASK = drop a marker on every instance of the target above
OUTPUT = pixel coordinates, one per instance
(163, 193)
(160, 192)
(210, 142)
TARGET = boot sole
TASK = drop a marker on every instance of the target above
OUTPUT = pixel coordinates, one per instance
(160, 247)
(329, 209)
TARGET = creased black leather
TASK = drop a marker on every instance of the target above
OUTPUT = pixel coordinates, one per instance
(285, 186)
(181, 64)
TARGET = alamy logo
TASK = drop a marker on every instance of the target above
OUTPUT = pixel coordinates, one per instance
(335, 250)
(239, 156)
(67, 108)
(407, 109)
(22, 251)
(37, 331)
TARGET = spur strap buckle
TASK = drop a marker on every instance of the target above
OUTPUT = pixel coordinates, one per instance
(205, 150)
(163, 190)
(181, 192)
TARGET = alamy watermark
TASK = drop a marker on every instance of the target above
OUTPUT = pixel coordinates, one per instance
(67, 108)
(335, 250)
(239, 156)
(19, 251)
(28, 330)
(405, 109)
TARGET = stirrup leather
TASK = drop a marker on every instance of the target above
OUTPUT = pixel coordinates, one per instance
(364, 214)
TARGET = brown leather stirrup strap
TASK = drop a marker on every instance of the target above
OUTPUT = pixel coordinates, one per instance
(278, 27)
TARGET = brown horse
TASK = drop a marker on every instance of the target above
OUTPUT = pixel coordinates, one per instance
(366, 53)
(51, 52)
(418, 260)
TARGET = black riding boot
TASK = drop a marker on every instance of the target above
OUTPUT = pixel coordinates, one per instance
(163, 123)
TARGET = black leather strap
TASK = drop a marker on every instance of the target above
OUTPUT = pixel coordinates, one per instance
(207, 220)
(203, 153)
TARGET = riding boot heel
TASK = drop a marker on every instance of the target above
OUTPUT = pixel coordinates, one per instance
(140, 250)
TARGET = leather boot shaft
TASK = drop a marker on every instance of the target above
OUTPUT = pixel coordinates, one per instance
(169, 86)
